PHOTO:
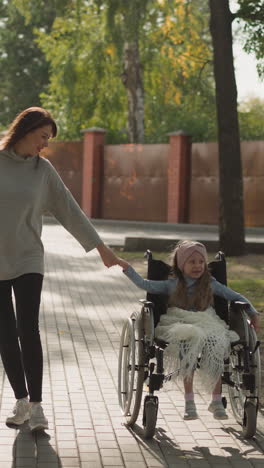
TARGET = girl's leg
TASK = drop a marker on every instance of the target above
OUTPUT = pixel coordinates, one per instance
(9, 344)
(216, 406)
(190, 408)
(217, 391)
(188, 385)
(27, 289)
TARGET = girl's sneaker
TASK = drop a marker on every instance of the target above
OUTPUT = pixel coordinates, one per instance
(20, 413)
(190, 410)
(218, 410)
(37, 420)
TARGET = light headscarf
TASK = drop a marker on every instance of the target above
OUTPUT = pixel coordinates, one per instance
(186, 248)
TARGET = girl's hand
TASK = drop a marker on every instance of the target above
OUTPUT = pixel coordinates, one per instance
(123, 263)
(255, 322)
(107, 255)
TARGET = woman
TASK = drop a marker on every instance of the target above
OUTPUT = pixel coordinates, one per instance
(30, 186)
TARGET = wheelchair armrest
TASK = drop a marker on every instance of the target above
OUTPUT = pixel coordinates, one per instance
(239, 306)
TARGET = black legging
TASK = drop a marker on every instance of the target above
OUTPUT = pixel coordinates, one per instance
(20, 345)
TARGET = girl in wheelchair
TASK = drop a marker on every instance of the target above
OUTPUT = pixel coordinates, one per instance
(191, 327)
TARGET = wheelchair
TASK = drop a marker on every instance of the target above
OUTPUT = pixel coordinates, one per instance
(140, 362)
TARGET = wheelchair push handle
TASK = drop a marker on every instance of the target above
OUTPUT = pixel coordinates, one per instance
(148, 255)
(220, 256)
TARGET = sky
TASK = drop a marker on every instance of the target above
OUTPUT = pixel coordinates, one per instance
(248, 82)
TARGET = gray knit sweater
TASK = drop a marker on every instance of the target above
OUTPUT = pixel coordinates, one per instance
(27, 190)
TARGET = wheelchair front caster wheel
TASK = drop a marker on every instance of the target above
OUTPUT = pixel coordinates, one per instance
(249, 420)
(150, 416)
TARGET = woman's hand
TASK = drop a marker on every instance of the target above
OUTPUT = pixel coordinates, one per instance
(255, 322)
(107, 255)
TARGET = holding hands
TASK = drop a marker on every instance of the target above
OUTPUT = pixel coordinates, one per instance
(123, 263)
(109, 258)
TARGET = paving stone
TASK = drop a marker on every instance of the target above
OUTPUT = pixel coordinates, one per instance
(88, 448)
(112, 461)
(91, 465)
(131, 464)
(70, 462)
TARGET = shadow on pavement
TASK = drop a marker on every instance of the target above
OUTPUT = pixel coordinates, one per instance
(30, 450)
(163, 448)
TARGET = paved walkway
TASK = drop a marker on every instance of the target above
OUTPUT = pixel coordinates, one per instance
(83, 309)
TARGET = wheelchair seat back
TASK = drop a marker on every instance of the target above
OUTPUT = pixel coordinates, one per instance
(158, 270)
(217, 269)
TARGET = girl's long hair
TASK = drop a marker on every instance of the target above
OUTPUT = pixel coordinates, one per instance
(25, 122)
(202, 296)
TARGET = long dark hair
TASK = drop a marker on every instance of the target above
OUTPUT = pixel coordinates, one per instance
(28, 120)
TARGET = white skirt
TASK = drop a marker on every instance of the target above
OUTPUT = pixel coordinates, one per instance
(193, 335)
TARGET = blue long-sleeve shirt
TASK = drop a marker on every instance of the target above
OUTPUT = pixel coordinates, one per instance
(168, 287)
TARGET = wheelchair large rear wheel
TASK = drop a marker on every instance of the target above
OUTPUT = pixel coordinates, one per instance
(131, 368)
(244, 400)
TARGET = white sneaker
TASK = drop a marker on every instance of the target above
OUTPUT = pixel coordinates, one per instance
(190, 410)
(20, 413)
(37, 420)
(218, 410)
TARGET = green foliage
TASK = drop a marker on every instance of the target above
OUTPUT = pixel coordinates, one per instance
(251, 119)
(67, 56)
(124, 20)
(40, 13)
(23, 68)
(86, 64)
(251, 12)
(194, 113)
(178, 73)
(85, 88)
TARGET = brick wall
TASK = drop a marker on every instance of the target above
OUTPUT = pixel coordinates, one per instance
(175, 182)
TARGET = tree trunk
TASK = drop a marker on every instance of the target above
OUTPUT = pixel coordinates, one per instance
(231, 212)
(132, 80)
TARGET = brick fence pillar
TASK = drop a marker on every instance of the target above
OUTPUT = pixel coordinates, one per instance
(179, 177)
(92, 176)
